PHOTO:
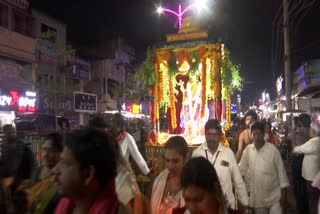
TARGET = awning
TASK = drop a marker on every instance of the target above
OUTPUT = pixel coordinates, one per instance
(312, 92)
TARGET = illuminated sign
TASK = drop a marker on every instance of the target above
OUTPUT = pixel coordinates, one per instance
(234, 108)
(13, 100)
(84, 102)
(136, 108)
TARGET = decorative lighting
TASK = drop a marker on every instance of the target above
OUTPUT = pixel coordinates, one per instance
(199, 4)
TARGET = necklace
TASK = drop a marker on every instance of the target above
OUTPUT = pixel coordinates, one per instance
(170, 194)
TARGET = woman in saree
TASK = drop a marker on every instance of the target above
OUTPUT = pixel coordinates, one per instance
(43, 195)
(166, 190)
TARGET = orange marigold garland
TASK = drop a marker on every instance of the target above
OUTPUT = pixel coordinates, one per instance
(228, 111)
(160, 85)
(202, 51)
(157, 115)
(212, 73)
(183, 56)
(204, 88)
(172, 104)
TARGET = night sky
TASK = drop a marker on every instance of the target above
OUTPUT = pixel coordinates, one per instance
(248, 28)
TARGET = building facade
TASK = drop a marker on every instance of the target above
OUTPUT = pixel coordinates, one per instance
(113, 79)
(17, 60)
(56, 69)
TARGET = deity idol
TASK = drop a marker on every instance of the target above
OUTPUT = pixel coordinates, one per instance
(191, 122)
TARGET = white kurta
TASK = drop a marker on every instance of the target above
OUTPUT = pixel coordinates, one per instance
(267, 174)
(311, 160)
(129, 147)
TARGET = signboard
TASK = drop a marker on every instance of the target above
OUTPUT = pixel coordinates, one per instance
(84, 102)
(300, 80)
(48, 52)
(14, 100)
(46, 103)
(312, 72)
(80, 68)
(234, 108)
(307, 75)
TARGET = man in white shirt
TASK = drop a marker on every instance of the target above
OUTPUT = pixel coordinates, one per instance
(127, 144)
(311, 165)
(224, 162)
(268, 179)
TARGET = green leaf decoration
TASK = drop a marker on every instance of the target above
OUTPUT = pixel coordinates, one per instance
(194, 62)
(173, 68)
(230, 75)
(146, 71)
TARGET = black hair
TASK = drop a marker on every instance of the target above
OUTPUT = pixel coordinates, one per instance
(305, 120)
(117, 120)
(178, 144)
(253, 114)
(93, 147)
(258, 125)
(236, 120)
(295, 120)
(213, 124)
(56, 140)
(267, 123)
(199, 172)
(98, 122)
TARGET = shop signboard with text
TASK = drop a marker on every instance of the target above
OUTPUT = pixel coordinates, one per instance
(14, 100)
(84, 102)
(47, 52)
(307, 75)
(80, 68)
(47, 105)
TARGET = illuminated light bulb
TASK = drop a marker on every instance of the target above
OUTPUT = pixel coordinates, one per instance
(200, 4)
(180, 13)
(159, 10)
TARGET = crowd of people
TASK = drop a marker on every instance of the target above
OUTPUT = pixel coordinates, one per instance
(89, 171)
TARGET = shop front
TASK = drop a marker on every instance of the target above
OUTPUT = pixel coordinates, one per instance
(307, 85)
(14, 102)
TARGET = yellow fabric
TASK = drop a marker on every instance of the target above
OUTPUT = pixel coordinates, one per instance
(37, 188)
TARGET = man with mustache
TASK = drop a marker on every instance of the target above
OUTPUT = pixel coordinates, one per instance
(261, 161)
(86, 172)
(225, 164)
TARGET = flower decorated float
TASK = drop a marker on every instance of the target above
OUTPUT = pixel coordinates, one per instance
(190, 78)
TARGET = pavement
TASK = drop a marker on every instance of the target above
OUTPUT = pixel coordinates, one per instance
(290, 193)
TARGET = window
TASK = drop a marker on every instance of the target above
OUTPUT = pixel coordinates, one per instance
(49, 33)
(22, 23)
(4, 15)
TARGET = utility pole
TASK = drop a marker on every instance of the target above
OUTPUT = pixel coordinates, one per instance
(81, 114)
(55, 96)
(287, 61)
